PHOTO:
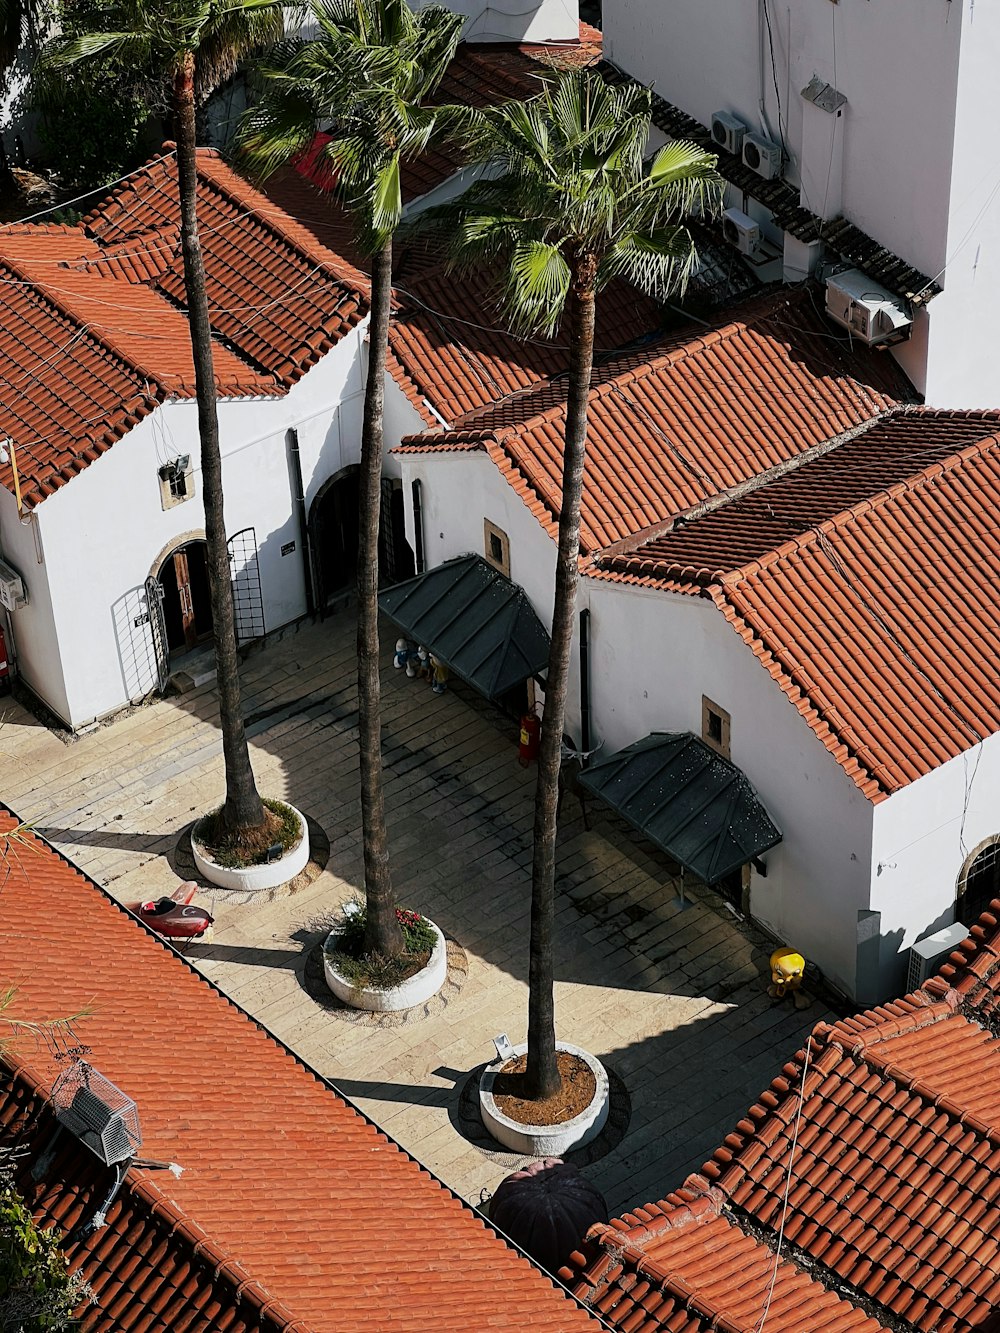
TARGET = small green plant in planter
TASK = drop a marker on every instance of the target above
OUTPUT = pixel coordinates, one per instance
(281, 825)
(346, 949)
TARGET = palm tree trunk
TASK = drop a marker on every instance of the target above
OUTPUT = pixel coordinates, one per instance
(542, 1074)
(243, 808)
(382, 931)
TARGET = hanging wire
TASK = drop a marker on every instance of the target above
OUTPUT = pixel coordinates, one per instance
(759, 1326)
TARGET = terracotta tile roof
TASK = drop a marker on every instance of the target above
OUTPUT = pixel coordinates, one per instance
(681, 420)
(451, 343)
(882, 623)
(887, 1148)
(66, 397)
(682, 1266)
(293, 1211)
(278, 297)
(895, 1186)
(93, 334)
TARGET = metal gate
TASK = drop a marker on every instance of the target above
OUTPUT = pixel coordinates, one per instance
(248, 602)
(158, 632)
(142, 640)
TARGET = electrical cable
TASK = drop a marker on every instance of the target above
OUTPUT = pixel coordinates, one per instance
(759, 1326)
(100, 189)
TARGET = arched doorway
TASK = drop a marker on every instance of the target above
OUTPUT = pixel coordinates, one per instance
(333, 535)
(187, 606)
(979, 882)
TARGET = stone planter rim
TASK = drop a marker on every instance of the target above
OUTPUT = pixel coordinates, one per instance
(407, 994)
(251, 878)
(546, 1140)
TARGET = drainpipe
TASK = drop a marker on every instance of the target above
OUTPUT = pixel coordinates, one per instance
(418, 525)
(299, 500)
(585, 682)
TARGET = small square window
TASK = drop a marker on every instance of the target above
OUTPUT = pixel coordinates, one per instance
(497, 547)
(715, 725)
(176, 481)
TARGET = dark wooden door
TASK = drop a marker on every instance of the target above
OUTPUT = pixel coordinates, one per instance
(183, 576)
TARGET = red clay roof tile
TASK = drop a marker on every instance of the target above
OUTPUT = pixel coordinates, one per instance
(888, 1152)
(678, 422)
(93, 334)
(277, 1220)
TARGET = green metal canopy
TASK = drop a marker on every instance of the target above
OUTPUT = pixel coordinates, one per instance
(688, 799)
(475, 620)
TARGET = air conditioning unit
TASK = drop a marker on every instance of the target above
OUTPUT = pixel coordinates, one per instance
(97, 1112)
(762, 156)
(871, 313)
(928, 954)
(728, 132)
(12, 594)
(741, 231)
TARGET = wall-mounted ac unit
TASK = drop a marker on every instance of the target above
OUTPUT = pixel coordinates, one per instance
(762, 156)
(741, 231)
(928, 954)
(12, 594)
(871, 313)
(728, 132)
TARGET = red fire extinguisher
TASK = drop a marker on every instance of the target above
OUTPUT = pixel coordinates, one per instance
(531, 733)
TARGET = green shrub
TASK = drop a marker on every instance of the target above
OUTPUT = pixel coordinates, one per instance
(284, 828)
(36, 1290)
(346, 950)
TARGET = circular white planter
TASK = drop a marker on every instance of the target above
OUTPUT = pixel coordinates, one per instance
(546, 1140)
(413, 991)
(267, 876)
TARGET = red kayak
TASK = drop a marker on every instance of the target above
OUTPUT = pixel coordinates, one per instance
(174, 920)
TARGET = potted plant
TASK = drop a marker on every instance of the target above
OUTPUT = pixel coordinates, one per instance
(383, 983)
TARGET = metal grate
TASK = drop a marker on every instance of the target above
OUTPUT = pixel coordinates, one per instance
(142, 639)
(248, 602)
(97, 1111)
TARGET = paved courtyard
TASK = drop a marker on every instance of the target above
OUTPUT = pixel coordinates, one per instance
(674, 1001)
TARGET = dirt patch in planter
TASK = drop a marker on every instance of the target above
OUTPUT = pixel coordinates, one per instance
(577, 1092)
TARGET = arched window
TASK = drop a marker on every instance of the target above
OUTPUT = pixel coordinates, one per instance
(979, 882)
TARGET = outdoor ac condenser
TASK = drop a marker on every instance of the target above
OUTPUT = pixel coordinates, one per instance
(928, 954)
(12, 594)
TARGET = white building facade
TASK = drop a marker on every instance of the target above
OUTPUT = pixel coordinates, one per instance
(904, 156)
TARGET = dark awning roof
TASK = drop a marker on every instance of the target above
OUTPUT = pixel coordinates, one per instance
(689, 800)
(475, 620)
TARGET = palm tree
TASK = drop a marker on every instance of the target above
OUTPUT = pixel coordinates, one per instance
(197, 44)
(369, 71)
(564, 202)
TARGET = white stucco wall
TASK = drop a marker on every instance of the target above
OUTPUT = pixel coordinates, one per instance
(109, 524)
(32, 628)
(458, 492)
(653, 656)
(962, 369)
(922, 837)
(896, 62)
(905, 164)
(518, 20)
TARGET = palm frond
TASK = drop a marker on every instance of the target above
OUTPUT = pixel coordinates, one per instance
(658, 262)
(563, 182)
(369, 72)
(537, 286)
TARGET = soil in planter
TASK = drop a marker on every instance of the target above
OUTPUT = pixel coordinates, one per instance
(250, 846)
(577, 1092)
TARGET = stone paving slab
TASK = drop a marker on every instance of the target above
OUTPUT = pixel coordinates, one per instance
(674, 1001)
